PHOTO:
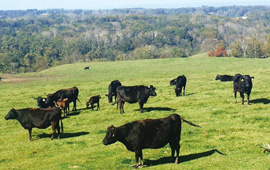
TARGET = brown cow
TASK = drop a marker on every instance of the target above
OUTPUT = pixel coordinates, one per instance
(63, 105)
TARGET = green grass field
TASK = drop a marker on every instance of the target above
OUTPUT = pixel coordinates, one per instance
(228, 127)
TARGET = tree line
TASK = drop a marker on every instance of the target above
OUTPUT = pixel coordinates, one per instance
(33, 40)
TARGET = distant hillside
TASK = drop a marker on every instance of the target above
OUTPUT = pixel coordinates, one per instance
(32, 40)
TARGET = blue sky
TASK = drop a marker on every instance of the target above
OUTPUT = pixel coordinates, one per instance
(111, 4)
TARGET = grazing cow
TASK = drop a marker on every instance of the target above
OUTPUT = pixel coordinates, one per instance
(149, 133)
(63, 105)
(92, 101)
(242, 84)
(112, 90)
(37, 118)
(134, 94)
(86, 68)
(71, 94)
(224, 77)
(179, 82)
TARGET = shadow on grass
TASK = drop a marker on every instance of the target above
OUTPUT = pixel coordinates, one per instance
(185, 158)
(189, 94)
(149, 109)
(72, 113)
(261, 100)
(63, 135)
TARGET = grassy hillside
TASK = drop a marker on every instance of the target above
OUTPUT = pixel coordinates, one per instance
(229, 127)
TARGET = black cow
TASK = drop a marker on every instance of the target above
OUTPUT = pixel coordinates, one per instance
(92, 101)
(41, 102)
(224, 77)
(86, 68)
(37, 118)
(71, 94)
(134, 94)
(149, 133)
(179, 82)
(112, 90)
(242, 84)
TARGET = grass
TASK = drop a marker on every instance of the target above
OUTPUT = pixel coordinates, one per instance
(228, 127)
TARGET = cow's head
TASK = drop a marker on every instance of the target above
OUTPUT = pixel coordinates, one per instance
(40, 101)
(110, 96)
(152, 91)
(111, 136)
(173, 82)
(218, 77)
(87, 104)
(178, 91)
(12, 114)
(246, 80)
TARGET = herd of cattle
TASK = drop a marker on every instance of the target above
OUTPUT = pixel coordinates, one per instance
(136, 135)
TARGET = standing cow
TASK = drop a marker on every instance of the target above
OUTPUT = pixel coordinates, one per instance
(179, 82)
(63, 105)
(37, 118)
(134, 94)
(242, 84)
(149, 133)
(112, 90)
(70, 93)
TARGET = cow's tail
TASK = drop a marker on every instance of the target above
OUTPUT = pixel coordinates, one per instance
(192, 124)
(78, 100)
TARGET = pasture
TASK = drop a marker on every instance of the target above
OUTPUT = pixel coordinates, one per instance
(228, 127)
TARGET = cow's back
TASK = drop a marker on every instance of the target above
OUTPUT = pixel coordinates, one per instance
(154, 133)
(39, 118)
(130, 94)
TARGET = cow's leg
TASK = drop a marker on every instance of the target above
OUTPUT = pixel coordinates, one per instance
(141, 107)
(30, 134)
(67, 108)
(121, 106)
(92, 106)
(53, 124)
(173, 150)
(74, 105)
(177, 148)
(184, 90)
(98, 106)
(138, 155)
(235, 94)
(58, 129)
(248, 99)
(180, 91)
(115, 98)
(242, 98)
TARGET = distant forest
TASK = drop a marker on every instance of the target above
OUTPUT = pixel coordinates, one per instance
(32, 40)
